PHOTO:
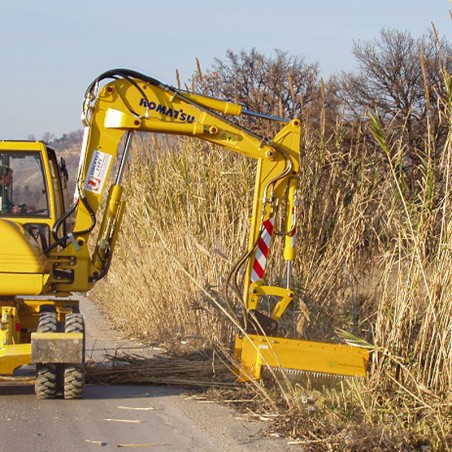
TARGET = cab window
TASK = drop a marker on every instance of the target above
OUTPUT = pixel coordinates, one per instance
(23, 190)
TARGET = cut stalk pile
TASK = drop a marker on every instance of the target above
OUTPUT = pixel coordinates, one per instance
(188, 370)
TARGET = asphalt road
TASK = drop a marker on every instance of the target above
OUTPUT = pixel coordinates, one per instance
(160, 418)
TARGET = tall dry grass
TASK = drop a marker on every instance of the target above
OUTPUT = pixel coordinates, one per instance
(186, 220)
(374, 260)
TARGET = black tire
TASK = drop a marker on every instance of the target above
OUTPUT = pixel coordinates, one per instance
(74, 374)
(47, 318)
(46, 374)
(46, 381)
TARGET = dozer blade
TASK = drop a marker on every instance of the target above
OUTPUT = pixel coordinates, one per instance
(253, 352)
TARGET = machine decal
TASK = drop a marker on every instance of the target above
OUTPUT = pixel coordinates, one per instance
(228, 137)
(171, 112)
(97, 172)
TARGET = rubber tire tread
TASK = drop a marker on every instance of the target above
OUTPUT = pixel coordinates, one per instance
(74, 374)
(46, 374)
(46, 381)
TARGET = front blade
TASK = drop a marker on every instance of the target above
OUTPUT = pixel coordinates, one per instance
(254, 351)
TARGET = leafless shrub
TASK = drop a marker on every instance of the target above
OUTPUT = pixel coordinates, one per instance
(279, 85)
(399, 77)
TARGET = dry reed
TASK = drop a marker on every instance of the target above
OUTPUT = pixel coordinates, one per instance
(193, 370)
(374, 259)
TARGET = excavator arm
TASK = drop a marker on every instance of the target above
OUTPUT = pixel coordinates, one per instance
(121, 102)
(135, 103)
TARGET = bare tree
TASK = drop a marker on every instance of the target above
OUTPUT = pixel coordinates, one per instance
(400, 77)
(278, 85)
(48, 137)
(66, 140)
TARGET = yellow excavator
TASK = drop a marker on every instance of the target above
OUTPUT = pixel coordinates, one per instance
(44, 252)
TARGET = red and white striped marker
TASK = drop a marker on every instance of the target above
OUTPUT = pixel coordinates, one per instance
(294, 228)
(261, 254)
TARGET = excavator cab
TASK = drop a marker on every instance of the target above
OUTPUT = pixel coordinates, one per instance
(31, 188)
(45, 331)
(32, 199)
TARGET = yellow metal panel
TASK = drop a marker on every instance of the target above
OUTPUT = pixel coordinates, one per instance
(12, 284)
(116, 119)
(255, 351)
(215, 104)
(23, 267)
(14, 356)
(19, 252)
(24, 146)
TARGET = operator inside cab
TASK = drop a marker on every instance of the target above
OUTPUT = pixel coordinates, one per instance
(22, 187)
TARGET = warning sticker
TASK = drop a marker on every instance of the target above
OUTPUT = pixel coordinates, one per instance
(97, 172)
(229, 137)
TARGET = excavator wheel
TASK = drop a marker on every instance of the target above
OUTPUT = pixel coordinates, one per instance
(74, 374)
(46, 374)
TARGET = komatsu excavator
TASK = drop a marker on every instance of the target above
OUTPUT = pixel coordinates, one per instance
(44, 252)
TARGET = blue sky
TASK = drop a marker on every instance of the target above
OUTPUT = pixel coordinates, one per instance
(50, 50)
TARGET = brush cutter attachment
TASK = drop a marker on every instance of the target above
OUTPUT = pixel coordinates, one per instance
(293, 356)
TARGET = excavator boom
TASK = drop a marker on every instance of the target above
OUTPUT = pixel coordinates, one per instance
(120, 103)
